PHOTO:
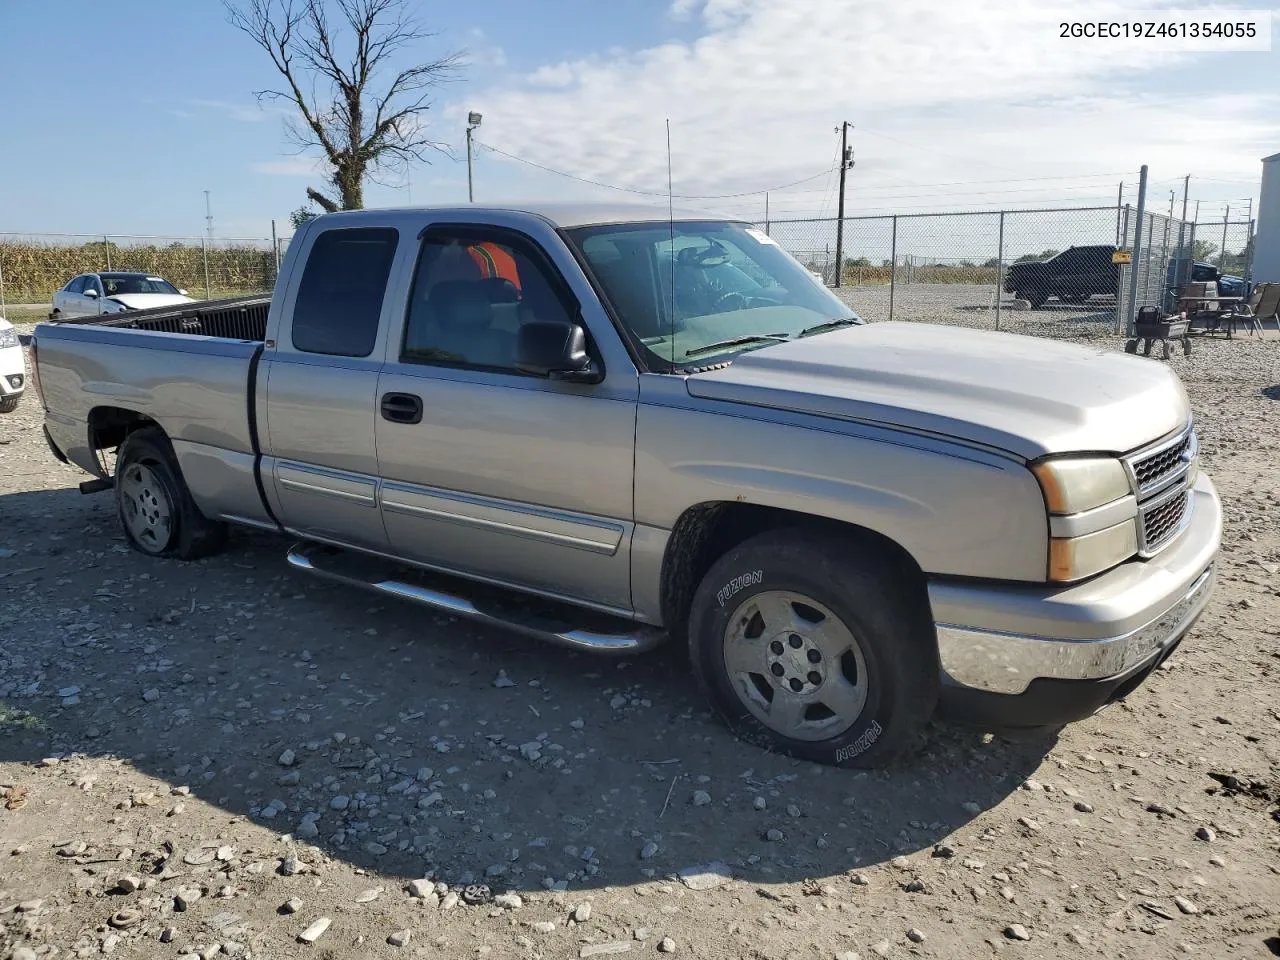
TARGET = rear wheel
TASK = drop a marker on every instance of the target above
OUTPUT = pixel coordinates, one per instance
(156, 510)
(9, 404)
(809, 646)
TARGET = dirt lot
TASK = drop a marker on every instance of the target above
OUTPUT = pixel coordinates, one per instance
(206, 759)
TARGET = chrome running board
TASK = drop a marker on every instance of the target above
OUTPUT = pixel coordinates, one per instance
(548, 620)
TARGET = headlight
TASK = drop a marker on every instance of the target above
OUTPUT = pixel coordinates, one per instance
(1076, 484)
(8, 337)
(1074, 558)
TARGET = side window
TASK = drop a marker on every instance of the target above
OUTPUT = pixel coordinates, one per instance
(92, 283)
(340, 295)
(76, 285)
(471, 296)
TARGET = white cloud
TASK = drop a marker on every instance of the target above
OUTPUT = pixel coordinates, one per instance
(243, 112)
(291, 167)
(982, 89)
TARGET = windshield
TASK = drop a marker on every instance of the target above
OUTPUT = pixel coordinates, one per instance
(712, 290)
(116, 284)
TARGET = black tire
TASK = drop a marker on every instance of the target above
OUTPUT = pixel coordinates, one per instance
(872, 599)
(1037, 297)
(1131, 346)
(148, 478)
(9, 404)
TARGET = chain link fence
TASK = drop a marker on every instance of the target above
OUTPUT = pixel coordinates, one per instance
(34, 265)
(1046, 271)
(1049, 271)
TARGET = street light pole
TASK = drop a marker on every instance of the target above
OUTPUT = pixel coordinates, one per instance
(473, 121)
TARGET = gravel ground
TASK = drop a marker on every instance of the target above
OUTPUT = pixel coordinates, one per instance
(228, 759)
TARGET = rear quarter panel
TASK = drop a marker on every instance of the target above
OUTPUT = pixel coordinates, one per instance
(193, 387)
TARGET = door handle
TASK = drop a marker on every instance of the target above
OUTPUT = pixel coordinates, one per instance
(402, 407)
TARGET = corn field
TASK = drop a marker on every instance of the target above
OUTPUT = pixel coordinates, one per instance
(34, 267)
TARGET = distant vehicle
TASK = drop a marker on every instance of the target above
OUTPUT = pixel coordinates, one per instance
(13, 371)
(93, 294)
(1177, 274)
(1073, 276)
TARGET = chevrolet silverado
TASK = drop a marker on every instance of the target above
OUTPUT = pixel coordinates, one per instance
(609, 426)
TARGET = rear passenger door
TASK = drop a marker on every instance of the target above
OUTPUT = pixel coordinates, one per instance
(488, 471)
(321, 463)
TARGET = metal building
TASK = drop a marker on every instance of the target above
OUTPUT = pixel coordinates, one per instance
(1266, 251)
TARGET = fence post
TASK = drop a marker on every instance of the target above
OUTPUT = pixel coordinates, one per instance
(999, 268)
(893, 263)
(1222, 254)
(1131, 313)
(106, 248)
(204, 255)
(275, 246)
(1248, 252)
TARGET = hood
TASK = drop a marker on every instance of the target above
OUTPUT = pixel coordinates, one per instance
(144, 301)
(1026, 395)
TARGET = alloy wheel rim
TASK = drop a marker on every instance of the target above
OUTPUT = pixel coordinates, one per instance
(795, 665)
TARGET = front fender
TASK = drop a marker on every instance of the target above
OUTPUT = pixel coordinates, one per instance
(957, 511)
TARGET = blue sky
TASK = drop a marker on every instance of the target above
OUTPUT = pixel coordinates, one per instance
(120, 114)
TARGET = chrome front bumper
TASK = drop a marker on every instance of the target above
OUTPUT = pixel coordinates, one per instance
(999, 639)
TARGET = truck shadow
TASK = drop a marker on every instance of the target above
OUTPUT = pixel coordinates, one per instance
(420, 742)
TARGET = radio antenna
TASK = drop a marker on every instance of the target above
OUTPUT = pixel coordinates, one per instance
(671, 232)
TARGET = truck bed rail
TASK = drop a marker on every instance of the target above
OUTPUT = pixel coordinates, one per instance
(236, 318)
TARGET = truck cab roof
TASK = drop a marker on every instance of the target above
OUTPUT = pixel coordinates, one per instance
(564, 214)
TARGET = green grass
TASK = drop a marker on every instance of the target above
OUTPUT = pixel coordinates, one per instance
(14, 718)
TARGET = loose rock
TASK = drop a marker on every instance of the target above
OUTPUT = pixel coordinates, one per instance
(315, 931)
(582, 912)
(1016, 931)
(400, 938)
(915, 936)
(666, 945)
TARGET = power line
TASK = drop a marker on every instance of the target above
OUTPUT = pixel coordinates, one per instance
(652, 193)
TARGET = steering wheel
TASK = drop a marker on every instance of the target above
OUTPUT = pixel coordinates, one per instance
(733, 300)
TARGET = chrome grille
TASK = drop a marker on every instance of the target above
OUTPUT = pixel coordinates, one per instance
(1162, 475)
(1160, 523)
(1151, 471)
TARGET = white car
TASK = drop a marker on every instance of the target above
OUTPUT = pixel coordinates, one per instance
(13, 370)
(92, 294)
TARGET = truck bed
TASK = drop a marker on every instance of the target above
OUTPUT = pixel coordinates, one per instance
(236, 318)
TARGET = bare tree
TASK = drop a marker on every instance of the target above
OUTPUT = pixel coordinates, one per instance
(331, 76)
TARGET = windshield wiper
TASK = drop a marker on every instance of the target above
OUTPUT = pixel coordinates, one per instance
(829, 325)
(738, 341)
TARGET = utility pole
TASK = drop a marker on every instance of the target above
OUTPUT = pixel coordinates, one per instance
(846, 161)
(473, 121)
(208, 215)
(1182, 272)
(766, 213)
(1119, 203)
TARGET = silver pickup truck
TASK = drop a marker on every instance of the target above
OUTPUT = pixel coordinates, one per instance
(606, 426)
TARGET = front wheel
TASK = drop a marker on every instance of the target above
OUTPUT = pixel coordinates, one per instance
(9, 404)
(156, 510)
(814, 647)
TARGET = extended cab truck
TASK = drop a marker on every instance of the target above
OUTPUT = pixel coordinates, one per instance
(651, 428)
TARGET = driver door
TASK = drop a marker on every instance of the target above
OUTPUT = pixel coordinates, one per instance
(487, 471)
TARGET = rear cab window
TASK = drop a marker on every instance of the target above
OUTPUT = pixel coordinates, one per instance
(340, 295)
